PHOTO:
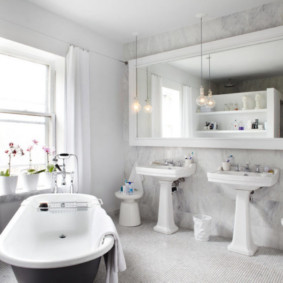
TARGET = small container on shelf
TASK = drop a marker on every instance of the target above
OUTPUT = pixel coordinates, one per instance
(241, 126)
(235, 125)
(226, 166)
(245, 102)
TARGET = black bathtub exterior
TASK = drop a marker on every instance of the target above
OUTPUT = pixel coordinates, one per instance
(80, 273)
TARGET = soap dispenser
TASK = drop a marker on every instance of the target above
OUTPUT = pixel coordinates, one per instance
(188, 159)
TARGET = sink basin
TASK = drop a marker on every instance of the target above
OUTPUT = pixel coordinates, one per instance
(244, 183)
(244, 180)
(166, 176)
(167, 172)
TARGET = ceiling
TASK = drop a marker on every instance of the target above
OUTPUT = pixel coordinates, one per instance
(251, 61)
(119, 19)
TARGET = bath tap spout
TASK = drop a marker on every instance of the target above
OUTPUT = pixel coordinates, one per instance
(61, 170)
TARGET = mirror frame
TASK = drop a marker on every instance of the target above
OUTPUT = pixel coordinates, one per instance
(258, 37)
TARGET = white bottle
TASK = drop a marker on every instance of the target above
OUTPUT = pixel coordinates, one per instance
(125, 187)
(235, 126)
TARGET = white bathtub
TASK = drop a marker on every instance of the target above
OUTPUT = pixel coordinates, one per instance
(46, 242)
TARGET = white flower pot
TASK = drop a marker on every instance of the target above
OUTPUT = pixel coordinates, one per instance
(29, 182)
(8, 185)
(46, 180)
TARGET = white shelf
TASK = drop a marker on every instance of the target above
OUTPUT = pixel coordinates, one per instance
(250, 111)
(231, 132)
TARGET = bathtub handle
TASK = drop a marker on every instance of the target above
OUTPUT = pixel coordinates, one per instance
(100, 201)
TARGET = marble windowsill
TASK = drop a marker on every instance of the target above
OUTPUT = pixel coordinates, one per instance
(21, 195)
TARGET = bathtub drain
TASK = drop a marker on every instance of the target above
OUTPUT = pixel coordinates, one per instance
(62, 236)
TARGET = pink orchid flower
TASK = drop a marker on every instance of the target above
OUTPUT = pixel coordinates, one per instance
(30, 148)
(35, 141)
(46, 149)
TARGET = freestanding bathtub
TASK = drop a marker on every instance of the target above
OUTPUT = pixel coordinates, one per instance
(52, 239)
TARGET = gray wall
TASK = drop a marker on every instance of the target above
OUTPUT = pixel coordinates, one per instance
(250, 85)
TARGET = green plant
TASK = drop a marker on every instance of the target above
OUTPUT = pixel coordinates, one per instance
(33, 171)
(50, 168)
(5, 173)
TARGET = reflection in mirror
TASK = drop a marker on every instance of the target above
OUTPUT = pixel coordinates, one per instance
(247, 83)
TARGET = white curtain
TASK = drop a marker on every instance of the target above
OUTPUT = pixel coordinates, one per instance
(156, 100)
(77, 122)
(186, 99)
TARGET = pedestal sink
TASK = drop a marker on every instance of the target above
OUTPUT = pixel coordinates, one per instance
(166, 176)
(244, 183)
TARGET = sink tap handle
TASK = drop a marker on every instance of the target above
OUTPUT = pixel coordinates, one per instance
(247, 167)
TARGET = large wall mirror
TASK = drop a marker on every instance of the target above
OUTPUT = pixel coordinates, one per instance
(245, 74)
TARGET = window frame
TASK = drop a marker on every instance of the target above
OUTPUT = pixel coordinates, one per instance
(50, 128)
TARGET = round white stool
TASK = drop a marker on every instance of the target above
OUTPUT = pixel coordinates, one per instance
(129, 208)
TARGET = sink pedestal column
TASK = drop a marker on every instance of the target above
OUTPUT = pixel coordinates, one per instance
(242, 240)
(165, 223)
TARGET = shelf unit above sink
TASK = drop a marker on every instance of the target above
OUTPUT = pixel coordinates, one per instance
(237, 112)
(268, 116)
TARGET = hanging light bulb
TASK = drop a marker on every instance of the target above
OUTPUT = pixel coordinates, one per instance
(201, 99)
(147, 108)
(210, 100)
(136, 105)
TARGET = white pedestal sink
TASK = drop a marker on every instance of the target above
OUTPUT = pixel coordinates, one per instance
(245, 182)
(166, 176)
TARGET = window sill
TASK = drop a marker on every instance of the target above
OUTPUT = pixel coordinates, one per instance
(21, 195)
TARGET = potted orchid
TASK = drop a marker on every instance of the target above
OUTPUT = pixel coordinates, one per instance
(8, 182)
(30, 176)
(47, 174)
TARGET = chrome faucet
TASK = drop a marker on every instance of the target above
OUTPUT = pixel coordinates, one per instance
(247, 167)
(237, 167)
(168, 162)
(257, 168)
(61, 170)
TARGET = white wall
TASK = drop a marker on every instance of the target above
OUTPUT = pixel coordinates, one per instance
(33, 26)
(107, 133)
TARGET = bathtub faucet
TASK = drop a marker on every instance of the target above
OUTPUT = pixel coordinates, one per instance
(61, 170)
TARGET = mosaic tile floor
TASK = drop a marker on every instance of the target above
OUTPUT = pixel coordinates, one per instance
(153, 257)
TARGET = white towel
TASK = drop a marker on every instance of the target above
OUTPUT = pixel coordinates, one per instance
(114, 259)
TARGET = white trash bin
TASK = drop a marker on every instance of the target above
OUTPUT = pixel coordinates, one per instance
(202, 227)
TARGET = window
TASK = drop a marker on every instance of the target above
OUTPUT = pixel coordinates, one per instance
(171, 119)
(25, 109)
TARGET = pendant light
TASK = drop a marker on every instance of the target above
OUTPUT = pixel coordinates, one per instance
(147, 108)
(210, 100)
(201, 99)
(136, 105)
